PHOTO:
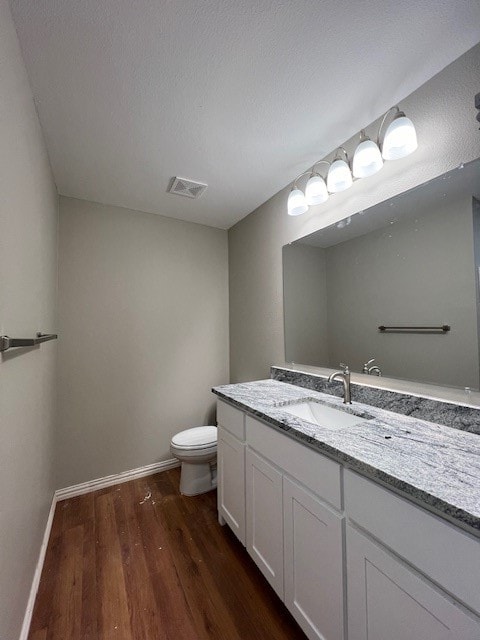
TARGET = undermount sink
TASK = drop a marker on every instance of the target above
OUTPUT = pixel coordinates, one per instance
(324, 416)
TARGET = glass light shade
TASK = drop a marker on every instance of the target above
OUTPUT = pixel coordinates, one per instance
(296, 203)
(400, 139)
(339, 176)
(316, 190)
(367, 159)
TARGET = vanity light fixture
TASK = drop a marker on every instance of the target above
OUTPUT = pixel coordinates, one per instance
(316, 191)
(367, 159)
(339, 176)
(297, 203)
(400, 138)
(399, 141)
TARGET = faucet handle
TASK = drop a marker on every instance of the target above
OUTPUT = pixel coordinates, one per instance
(345, 367)
(367, 365)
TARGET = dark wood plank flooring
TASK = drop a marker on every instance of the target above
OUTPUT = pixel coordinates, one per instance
(138, 561)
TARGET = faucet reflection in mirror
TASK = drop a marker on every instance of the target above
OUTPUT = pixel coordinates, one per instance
(371, 369)
(400, 140)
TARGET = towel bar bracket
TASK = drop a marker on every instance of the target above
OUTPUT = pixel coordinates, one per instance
(9, 343)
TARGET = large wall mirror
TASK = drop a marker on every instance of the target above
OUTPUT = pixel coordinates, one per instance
(398, 282)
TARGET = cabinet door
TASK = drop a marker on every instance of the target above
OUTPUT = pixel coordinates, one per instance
(313, 564)
(265, 518)
(231, 482)
(387, 599)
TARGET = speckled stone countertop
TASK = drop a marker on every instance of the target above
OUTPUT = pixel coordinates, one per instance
(434, 465)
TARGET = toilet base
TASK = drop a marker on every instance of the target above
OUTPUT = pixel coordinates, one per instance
(197, 478)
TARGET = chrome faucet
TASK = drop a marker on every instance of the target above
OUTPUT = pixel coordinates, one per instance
(344, 376)
(370, 371)
(375, 371)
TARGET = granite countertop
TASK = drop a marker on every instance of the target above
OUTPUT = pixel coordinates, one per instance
(433, 465)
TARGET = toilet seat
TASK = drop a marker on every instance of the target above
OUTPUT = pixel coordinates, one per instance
(197, 438)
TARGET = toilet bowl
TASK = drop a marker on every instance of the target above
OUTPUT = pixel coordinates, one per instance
(196, 449)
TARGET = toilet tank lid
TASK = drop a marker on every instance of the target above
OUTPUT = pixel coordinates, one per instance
(197, 436)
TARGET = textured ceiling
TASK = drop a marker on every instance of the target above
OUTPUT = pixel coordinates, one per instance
(240, 95)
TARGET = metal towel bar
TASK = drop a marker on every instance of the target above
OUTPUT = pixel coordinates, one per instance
(9, 343)
(442, 329)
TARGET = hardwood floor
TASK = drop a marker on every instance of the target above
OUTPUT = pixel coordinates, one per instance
(138, 561)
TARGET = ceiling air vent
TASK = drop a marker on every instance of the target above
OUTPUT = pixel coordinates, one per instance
(185, 187)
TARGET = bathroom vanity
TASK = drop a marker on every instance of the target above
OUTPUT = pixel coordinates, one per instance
(368, 528)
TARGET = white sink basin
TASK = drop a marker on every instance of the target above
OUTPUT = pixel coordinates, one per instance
(324, 416)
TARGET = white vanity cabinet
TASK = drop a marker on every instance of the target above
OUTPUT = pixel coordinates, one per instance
(313, 552)
(231, 468)
(263, 484)
(409, 573)
(351, 559)
(387, 599)
(294, 537)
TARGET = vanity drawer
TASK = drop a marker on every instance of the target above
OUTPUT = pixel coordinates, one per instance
(233, 420)
(318, 473)
(447, 555)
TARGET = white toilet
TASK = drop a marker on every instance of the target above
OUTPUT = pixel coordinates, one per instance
(197, 451)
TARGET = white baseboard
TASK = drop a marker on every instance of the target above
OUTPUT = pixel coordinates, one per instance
(38, 572)
(117, 478)
(79, 490)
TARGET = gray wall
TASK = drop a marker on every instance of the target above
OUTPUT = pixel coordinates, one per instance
(28, 219)
(476, 252)
(444, 116)
(420, 271)
(143, 313)
(305, 296)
